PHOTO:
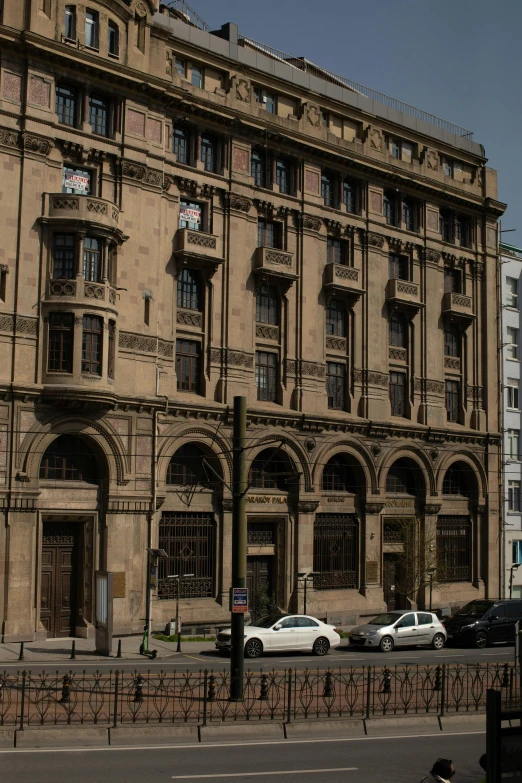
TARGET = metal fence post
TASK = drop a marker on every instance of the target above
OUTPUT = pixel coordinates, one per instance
(22, 700)
(368, 691)
(116, 694)
(205, 678)
(289, 703)
(443, 692)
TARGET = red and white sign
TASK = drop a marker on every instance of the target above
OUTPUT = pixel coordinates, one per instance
(190, 214)
(81, 183)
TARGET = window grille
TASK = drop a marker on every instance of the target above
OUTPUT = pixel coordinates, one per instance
(189, 541)
(335, 552)
(453, 549)
(260, 534)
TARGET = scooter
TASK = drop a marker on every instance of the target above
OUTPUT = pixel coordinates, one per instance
(144, 646)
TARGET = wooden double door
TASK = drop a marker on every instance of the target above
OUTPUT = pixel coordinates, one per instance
(259, 583)
(59, 578)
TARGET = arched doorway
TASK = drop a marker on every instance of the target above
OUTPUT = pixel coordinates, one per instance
(454, 534)
(402, 549)
(65, 565)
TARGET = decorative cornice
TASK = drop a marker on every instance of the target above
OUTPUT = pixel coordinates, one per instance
(375, 240)
(37, 144)
(373, 508)
(310, 222)
(9, 138)
(432, 508)
(371, 377)
(238, 202)
(138, 172)
(307, 506)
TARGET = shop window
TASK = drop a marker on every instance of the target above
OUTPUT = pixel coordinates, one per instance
(92, 345)
(336, 551)
(61, 340)
(64, 256)
(189, 290)
(69, 458)
(188, 365)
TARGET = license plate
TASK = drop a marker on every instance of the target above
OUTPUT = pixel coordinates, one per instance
(450, 635)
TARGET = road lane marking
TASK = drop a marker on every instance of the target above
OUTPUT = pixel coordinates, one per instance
(258, 774)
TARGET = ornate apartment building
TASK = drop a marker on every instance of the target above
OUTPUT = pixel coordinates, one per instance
(186, 216)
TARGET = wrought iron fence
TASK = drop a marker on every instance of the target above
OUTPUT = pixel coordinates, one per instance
(172, 697)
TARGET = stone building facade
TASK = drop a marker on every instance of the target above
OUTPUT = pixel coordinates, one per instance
(187, 216)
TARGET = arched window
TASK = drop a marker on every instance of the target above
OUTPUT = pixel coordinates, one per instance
(338, 475)
(267, 305)
(456, 481)
(404, 477)
(69, 458)
(336, 318)
(189, 467)
(271, 469)
(189, 290)
(397, 331)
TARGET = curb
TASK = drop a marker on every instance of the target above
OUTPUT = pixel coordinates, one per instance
(241, 731)
(381, 727)
(329, 728)
(66, 737)
(153, 735)
(475, 720)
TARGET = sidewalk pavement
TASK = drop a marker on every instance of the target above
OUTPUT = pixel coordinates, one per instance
(54, 651)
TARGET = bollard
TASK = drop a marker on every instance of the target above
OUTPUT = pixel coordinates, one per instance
(263, 696)
(505, 677)
(66, 684)
(138, 694)
(118, 654)
(21, 654)
(73, 650)
(327, 691)
(211, 687)
(438, 679)
(386, 681)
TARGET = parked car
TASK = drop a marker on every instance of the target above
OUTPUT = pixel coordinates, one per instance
(281, 632)
(483, 622)
(392, 629)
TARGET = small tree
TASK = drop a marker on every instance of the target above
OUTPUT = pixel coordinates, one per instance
(416, 555)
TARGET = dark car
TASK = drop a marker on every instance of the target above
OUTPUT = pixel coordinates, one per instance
(483, 622)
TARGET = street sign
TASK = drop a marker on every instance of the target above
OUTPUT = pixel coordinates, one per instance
(239, 600)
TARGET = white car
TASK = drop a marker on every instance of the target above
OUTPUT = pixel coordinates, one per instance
(284, 632)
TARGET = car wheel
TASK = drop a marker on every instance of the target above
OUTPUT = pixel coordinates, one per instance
(321, 646)
(438, 641)
(481, 640)
(253, 648)
(386, 644)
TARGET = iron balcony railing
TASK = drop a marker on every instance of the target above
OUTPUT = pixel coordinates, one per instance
(322, 73)
(186, 14)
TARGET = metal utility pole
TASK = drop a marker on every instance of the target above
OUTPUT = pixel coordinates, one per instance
(239, 547)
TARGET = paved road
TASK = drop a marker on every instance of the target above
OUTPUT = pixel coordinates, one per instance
(194, 657)
(395, 760)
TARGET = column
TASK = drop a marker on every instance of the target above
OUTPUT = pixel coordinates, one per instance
(479, 539)
(79, 263)
(85, 125)
(104, 269)
(371, 577)
(431, 511)
(304, 548)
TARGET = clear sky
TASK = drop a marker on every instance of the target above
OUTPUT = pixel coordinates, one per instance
(458, 59)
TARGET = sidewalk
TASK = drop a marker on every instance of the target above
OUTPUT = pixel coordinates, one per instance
(59, 650)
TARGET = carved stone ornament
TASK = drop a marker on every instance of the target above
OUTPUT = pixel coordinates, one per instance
(238, 203)
(375, 240)
(37, 144)
(434, 454)
(376, 141)
(313, 370)
(371, 377)
(9, 138)
(140, 10)
(137, 342)
(228, 506)
(243, 90)
(310, 444)
(215, 355)
(188, 318)
(336, 343)
(432, 508)
(313, 115)
(267, 332)
(431, 255)
(376, 449)
(373, 508)
(4, 268)
(311, 222)
(141, 173)
(432, 160)
(307, 506)
(240, 359)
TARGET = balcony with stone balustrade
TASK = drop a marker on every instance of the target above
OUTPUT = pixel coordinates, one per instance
(343, 280)
(275, 264)
(82, 292)
(198, 250)
(74, 212)
(403, 295)
(458, 308)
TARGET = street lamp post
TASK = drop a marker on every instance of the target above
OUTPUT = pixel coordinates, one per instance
(511, 574)
(304, 577)
(178, 578)
(431, 574)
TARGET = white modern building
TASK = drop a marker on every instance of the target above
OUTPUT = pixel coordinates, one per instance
(511, 357)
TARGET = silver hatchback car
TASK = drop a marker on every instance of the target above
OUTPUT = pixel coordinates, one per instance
(400, 628)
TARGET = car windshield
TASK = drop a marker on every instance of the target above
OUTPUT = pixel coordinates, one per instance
(267, 622)
(385, 619)
(475, 609)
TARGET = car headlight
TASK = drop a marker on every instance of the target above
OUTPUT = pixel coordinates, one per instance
(371, 633)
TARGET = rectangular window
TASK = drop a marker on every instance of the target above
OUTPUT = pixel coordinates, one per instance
(3, 284)
(452, 280)
(181, 145)
(77, 181)
(395, 148)
(514, 496)
(511, 342)
(513, 449)
(325, 119)
(91, 29)
(408, 215)
(61, 334)
(283, 176)
(187, 365)
(114, 39)
(398, 267)
(453, 549)
(447, 167)
(350, 196)
(209, 154)
(99, 115)
(188, 538)
(70, 23)
(269, 234)
(512, 393)
(512, 292)
(446, 224)
(335, 251)
(453, 401)
(270, 101)
(112, 350)
(92, 259)
(181, 67)
(190, 215)
(517, 551)
(197, 75)
(327, 191)
(92, 345)
(266, 376)
(336, 318)
(66, 105)
(398, 393)
(463, 230)
(336, 552)
(258, 166)
(389, 209)
(335, 385)
(451, 342)
(64, 256)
